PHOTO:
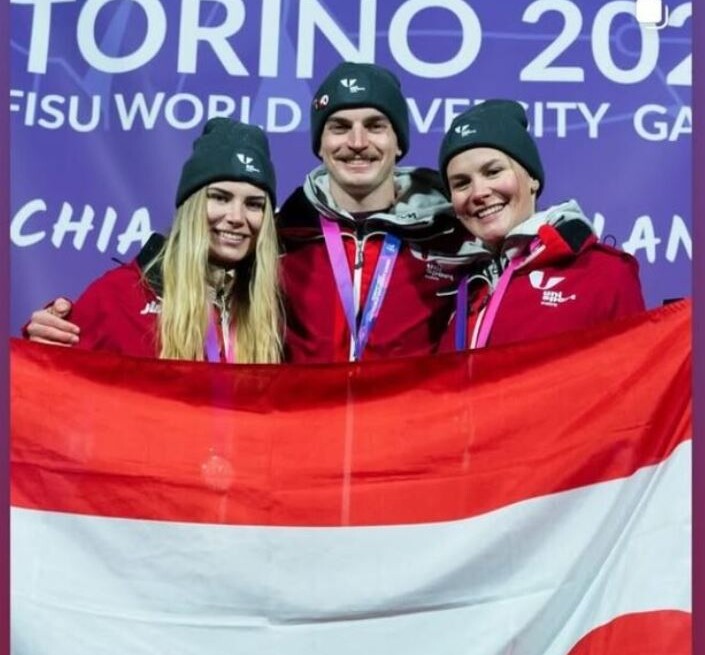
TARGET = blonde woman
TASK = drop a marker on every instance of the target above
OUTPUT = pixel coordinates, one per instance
(210, 289)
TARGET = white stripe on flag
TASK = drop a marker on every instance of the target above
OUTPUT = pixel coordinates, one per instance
(529, 579)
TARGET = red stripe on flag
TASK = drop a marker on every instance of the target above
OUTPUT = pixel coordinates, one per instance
(401, 441)
(663, 632)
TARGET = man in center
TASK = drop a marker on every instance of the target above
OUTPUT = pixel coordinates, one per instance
(356, 234)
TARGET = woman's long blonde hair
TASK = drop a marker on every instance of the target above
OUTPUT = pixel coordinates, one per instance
(256, 302)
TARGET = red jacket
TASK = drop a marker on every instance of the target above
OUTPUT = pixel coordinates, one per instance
(118, 313)
(412, 316)
(574, 283)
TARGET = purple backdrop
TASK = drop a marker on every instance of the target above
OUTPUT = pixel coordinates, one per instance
(107, 95)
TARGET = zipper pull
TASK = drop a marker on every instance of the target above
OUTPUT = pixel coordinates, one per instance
(358, 254)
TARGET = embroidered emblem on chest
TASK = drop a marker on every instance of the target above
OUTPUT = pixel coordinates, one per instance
(434, 271)
(549, 296)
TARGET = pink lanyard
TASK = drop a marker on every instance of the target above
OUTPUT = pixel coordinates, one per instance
(378, 287)
(495, 301)
(213, 350)
(497, 296)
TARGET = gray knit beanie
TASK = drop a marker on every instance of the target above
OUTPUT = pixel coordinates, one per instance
(228, 150)
(499, 124)
(350, 86)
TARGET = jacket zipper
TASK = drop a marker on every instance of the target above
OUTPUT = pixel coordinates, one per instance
(357, 287)
(358, 265)
(224, 315)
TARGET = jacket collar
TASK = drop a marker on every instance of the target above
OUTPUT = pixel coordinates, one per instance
(146, 255)
(571, 227)
(420, 211)
(220, 280)
(564, 228)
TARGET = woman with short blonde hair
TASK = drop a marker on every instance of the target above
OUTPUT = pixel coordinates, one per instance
(528, 273)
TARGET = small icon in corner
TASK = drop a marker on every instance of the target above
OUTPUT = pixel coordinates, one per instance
(652, 14)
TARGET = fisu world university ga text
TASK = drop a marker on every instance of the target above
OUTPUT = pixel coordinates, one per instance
(185, 111)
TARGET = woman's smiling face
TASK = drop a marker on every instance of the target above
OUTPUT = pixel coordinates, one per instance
(491, 193)
(235, 211)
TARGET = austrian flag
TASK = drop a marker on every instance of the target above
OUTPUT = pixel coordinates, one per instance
(524, 500)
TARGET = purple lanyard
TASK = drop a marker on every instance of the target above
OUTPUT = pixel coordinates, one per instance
(461, 310)
(343, 280)
(212, 345)
(493, 306)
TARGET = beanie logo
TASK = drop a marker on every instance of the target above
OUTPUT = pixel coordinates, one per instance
(320, 103)
(351, 85)
(465, 130)
(247, 163)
